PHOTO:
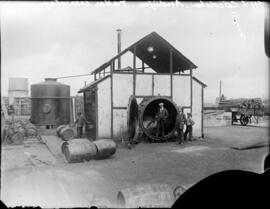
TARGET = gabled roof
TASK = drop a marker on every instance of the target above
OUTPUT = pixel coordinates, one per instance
(200, 82)
(161, 64)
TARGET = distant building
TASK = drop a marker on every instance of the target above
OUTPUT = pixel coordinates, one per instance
(18, 87)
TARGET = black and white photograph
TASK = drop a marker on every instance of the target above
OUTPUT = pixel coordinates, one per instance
(134, 104)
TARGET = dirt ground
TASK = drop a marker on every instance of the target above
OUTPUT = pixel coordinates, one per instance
(36, 174)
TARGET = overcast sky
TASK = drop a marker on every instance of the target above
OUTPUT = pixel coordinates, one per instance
(41, 40)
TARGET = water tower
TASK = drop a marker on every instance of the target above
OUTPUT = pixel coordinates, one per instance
(18, 87)
(50, 101)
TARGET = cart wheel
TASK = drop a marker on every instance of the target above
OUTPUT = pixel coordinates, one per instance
(244, 120)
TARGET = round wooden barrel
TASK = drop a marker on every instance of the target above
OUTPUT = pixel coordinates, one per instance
(78, 150)
(66, 133)
(148, 195)
(59, 128)
(105, 148)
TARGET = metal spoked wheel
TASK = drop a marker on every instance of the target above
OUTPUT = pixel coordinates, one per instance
(244, 120)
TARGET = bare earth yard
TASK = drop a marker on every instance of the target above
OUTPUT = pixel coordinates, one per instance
(36, 174)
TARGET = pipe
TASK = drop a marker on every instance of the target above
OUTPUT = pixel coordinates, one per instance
(119, 46)
(148, 110)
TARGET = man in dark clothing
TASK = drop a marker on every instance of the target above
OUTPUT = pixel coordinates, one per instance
(80, 121)
(189, 124)
(181, 120)
(161, 116)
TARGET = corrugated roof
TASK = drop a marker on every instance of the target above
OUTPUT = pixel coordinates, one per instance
(159, 58)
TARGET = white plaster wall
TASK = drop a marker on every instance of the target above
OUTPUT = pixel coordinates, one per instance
(197, 108)
(104, 109)
(181, 90)
(122, 89)
(119, 123)
(143, 85)
(162, 85)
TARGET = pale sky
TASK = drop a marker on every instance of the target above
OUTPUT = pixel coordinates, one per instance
(40, 40)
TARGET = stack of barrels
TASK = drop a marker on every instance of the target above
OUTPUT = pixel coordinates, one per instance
(80, 150)
(16, 130)
(65, 132)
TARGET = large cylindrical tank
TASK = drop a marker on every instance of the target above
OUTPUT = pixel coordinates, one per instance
(17, 87)
(50, 102)
(148, 109)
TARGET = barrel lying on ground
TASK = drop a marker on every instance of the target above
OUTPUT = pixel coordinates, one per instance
(105, 148)
(79, 150)
(66, 133)
(59, 128)
(149, 195)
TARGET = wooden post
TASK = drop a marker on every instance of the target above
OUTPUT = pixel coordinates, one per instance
(191, 91)
(95, 76)
(96, 119)
(202, 112)
(112, 66)
(134, 71)
(142, 66)
(153, 85)
(171, 72)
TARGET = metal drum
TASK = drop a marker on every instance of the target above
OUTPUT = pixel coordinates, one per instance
(66, 133)
(50, 101)
(149, 195)
(79, 150)
(105, 148)
(59, 128)
(148, 109)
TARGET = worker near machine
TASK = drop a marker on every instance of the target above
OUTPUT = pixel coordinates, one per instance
(181, 120)
(80, 122)
(189, 124)
(161, 117)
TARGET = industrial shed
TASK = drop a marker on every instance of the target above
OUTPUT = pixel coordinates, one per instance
(158, 70)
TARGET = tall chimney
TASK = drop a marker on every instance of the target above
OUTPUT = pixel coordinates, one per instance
(119, 46)
(220, 89)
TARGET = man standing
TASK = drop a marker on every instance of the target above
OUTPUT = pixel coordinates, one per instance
(181, 120)
(161, 116)
(80, 122)
(189, 124)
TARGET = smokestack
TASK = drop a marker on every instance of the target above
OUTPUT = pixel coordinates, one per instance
(119, 46)
(219, 89)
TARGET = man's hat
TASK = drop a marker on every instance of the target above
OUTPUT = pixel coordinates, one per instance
(161, 104)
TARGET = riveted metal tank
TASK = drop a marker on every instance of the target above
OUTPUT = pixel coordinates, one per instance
(148, 109)
(50, 103)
